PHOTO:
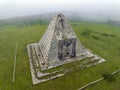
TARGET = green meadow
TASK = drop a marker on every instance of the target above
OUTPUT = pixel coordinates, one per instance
(101, 39)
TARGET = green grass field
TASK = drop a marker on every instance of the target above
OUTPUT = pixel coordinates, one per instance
(103, 40)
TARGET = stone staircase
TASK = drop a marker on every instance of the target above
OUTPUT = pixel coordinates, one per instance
(45, 41)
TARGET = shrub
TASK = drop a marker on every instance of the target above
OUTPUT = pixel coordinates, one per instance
(108, 76)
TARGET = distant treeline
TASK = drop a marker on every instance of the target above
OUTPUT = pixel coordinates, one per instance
(22, 22)
(32, 21)
(115, 23)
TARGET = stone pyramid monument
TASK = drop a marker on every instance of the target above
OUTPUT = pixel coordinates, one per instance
(58, 45)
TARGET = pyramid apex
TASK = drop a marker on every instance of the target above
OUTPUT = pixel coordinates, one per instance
(60, 14)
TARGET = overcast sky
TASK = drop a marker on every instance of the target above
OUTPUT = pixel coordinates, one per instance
(102, 8)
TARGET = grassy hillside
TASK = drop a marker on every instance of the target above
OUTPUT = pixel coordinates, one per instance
(102, 39)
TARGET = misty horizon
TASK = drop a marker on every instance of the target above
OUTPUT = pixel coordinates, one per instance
(90, 9)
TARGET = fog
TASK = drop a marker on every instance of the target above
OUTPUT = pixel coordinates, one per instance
(93, 9)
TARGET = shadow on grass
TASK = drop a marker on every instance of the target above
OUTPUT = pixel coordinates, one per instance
(105, 34)
(97, 38)
(86, 32)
